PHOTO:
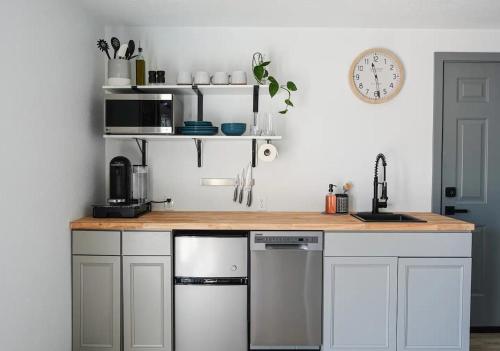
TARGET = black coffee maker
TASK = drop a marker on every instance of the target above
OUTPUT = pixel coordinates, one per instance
(120, 181)
(120, 202)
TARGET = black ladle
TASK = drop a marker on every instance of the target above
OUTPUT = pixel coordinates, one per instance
(115, 44)
(103, 46)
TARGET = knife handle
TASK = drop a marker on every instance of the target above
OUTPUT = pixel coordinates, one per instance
(235, 195)
(241, 196)
(249, 198)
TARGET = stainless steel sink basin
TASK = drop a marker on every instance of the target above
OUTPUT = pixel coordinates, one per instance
(385, 217)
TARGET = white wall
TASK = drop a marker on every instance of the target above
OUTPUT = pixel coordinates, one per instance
(330, 136)
(52, 160)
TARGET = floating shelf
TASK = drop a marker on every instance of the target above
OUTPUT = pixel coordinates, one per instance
(199, 91)
(184, 137)
(187, 89)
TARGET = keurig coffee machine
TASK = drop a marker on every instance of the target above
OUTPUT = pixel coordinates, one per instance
(127, 190)
(120, 174)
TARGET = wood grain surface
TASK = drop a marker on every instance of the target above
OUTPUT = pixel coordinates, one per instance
(171, 220)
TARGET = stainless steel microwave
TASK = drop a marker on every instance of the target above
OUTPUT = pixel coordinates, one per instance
(142, 113)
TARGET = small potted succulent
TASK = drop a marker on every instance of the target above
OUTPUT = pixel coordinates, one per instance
(262, 76)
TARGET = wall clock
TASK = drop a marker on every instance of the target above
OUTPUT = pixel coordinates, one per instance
(376, 75)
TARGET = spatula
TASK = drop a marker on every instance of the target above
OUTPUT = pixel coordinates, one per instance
(130, 50)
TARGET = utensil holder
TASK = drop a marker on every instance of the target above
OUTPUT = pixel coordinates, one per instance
(342, 203)
(119, 72)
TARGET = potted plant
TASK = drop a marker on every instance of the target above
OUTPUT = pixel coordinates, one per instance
(262, 76)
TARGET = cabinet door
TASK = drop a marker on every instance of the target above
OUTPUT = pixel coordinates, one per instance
(96, 303)
(434, 304)
(147, 303)
(360, 303)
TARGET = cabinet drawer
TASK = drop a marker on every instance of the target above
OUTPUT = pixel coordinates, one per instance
(146, 243)
(87, 242)
(398, 244)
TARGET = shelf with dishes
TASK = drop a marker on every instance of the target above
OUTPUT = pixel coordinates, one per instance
(197, 130)
(228, 89)
(195, 137)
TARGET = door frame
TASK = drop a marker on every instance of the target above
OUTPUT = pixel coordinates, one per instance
(440, 58)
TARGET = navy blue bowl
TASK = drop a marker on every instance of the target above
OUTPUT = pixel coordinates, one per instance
(233, 129)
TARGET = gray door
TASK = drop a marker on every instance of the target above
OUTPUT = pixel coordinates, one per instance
(147, 303)
(96, 303)
(471, 164)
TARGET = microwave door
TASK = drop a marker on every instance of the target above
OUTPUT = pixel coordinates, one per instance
(149, 113)
(123, 116)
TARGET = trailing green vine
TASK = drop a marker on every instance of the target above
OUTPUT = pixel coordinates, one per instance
(262, 75)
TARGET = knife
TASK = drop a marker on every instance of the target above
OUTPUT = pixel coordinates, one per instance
(236, 186)
(248, 185)
(242, 188)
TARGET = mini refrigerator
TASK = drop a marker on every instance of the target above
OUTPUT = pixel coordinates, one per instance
(211, 291)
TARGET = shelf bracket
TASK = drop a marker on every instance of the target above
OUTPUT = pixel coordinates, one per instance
(143, 150)
(256, 98)
(199, 150)
(254, 153)
(200, 102)
(136, 89)
(255, 112)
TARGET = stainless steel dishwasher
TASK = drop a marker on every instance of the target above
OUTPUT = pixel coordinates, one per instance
(286, 290)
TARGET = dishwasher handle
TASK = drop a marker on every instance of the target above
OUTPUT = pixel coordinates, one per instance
(287, 247)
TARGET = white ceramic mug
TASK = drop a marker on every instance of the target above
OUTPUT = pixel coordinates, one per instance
(201, 78)
(220, 78)
(184, 78)
(238, 78)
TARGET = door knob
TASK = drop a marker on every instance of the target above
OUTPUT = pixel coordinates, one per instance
(451, 210)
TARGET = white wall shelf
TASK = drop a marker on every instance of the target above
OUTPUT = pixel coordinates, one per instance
(184, 137)
(187, 89)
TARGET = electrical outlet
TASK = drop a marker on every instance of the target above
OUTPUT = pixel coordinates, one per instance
(169, 204)
(262, 204)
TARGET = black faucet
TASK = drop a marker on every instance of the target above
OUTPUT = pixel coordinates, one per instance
(382, 203)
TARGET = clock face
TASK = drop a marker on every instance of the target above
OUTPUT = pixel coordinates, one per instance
(376, 76)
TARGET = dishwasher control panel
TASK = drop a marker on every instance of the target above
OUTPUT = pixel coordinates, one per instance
(266, 240)
(282, 239)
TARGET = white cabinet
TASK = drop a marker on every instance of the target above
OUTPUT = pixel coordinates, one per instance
(434, 304)
(397, 291)
(360, 299)
(96, 303)
(105, 314)
(147, 306)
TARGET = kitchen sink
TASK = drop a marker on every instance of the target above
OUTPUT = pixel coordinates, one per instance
(385, 217)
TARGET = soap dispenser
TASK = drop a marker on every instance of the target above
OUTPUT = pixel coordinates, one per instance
(331, 200)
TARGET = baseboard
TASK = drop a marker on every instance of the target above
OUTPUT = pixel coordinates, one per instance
(485, 329)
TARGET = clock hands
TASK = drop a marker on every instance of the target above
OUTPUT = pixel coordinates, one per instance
(377, 92)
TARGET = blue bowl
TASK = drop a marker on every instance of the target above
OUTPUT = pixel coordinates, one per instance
(233, 129)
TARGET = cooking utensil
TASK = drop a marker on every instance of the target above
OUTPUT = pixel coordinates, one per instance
(248, 185)
(130, 50)
(104, 47)
(115, 44)
(242, 188)
(236, 187)
(122, 51)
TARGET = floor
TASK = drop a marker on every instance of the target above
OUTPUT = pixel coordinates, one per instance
(484, 342)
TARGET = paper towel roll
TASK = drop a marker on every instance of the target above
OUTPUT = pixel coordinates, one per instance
(267, 152)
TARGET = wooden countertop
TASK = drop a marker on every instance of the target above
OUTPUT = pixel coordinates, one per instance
(268, 221)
